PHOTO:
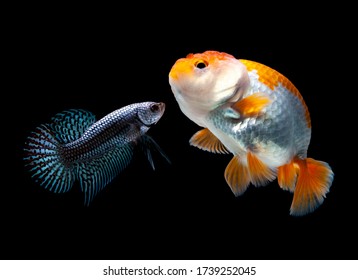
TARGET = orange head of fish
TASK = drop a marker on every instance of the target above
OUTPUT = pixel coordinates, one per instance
(207, 79)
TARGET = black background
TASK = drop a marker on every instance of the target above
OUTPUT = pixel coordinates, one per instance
(99, 62)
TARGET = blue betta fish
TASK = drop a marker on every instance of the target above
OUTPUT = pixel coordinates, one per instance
(73, 146)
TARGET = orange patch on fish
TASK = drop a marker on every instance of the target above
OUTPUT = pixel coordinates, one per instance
(209, 56)
(272, 78)
(182, 66)
(252, 105)
(186, 65)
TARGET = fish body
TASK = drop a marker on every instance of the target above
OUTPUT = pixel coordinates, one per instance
(255, 113)
(74, 146)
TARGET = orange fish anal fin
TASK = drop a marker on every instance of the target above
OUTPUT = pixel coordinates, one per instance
(204, 139)
(237, 176)
(313, 183)
(260, 173)
(251, 105)
(286, 176)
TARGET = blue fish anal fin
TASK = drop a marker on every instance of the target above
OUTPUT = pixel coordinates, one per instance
(69, 125)
(147, 144)
(95, 175)
(43, 160)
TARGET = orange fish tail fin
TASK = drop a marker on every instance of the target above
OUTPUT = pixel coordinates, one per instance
(313, 183)
(287, 175)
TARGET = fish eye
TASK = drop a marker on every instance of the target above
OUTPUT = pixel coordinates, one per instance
(201, 64)
(154, 108)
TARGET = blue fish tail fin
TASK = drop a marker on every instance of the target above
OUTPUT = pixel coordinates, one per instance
(43, 159)
(95, 175)
(44, 145)
(69, 125)
(148, 144)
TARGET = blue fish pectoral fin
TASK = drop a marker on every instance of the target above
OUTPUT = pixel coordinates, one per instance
(98, 173)
(249, 106)
(147, 144)
(69, 125)
(204, 139)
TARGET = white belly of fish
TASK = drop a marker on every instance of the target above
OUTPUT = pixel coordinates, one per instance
(269, 153)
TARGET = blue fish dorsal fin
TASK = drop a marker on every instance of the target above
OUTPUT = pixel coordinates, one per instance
(69, 125)
(98, 173)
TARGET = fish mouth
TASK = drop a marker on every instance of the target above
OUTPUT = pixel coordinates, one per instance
(157, 107)
(161, 106)
(161, 109)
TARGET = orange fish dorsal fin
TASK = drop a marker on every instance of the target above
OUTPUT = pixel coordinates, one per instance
(237, 176)
(251, 105)
(286, 176)
(313, 183)
(204, 139)
(259, 172)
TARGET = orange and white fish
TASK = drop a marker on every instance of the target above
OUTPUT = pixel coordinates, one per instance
(254, 112)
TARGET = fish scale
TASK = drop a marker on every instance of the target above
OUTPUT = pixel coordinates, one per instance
(101, 137)
(265, 76)
(266, 132)
(287, 105)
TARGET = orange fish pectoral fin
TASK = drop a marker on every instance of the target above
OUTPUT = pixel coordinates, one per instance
(204, 139)
(313, 183)
(286, 176)
(260, 173)
(251, 105)
(237, 176)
